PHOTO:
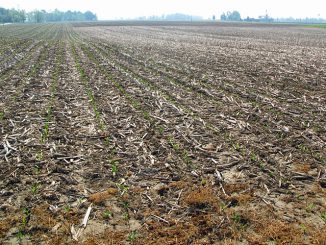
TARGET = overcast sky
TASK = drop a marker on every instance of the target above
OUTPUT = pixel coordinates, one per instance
(110, 9)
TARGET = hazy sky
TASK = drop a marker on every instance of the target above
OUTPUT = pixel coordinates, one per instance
(111, 9)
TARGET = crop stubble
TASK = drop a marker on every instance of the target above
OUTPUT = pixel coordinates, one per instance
(176, 133)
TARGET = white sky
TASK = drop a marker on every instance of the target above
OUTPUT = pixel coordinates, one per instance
(112, 9)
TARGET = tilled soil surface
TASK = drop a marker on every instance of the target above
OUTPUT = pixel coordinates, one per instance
(163, 133)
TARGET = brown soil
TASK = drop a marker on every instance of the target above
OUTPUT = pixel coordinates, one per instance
(170, 133)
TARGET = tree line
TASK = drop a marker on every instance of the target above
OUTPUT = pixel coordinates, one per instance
(172, 17)
(236, 16)
(12, 15)
(39, 16)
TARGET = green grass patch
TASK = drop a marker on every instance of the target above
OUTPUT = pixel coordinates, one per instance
(317, 26)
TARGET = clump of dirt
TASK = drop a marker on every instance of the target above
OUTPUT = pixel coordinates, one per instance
(100, 197)
(201, 199)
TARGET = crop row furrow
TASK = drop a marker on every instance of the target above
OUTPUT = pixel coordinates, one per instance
(16, 59)
(260, 99)
(315, 152)
(216, 73)
(144, 108)
(270, 126)
(247, 153)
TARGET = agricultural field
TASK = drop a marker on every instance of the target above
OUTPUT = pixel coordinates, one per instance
(162, 133)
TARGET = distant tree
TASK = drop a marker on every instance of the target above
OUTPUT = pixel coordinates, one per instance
(213, 18)
(17, 15)
(231, 16)
(80, 16)
(12, 15)
(4, 15)
(223, 17)
(57, 15)
(235, 16)
(39, 16)
(22, 15)
(182, 17)
(89, 16)
(68, 16)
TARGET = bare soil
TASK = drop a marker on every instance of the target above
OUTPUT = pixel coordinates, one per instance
(169, 133)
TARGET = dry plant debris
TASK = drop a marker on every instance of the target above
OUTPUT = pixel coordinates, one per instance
(178, 133)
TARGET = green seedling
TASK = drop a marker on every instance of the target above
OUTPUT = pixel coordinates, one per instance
(243, 151)
(303, 148)
(125, 216)
(125, 205)
(114, 164)
(280, 135)
(134, 103)
(106, 139)
(236, 146)
(25, 217)
(185, 157)
(146, 115)
(20, 235)
(67, 208)
(14, 98)
(26, 213)
(102, 126)
(203, 182)
(39, 156)
(303, 227)
(2, 115)
(107, 214)
(300, 197)
(35, 188)
(310, 207)
(114, 169)
(160, 129)
(122, 188)
(113, 151)
(37, 170)
(236, 218)
(97, 113)
(45, 133)
(262, 166)
(132, 236)
(240, 221)
(174, 145)
(253, 157)
(223, 206)
(318, 156)
(80, 201)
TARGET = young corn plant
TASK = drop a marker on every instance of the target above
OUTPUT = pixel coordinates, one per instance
(26, 215)
(172, 142)
(114, 168)
(107, 214)
(35, 189)
(90, 95)
(182, 152)
(132, 236)
(45, 131)
(122, 188)
(39, 156)
(323, 216)
(53, 89)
